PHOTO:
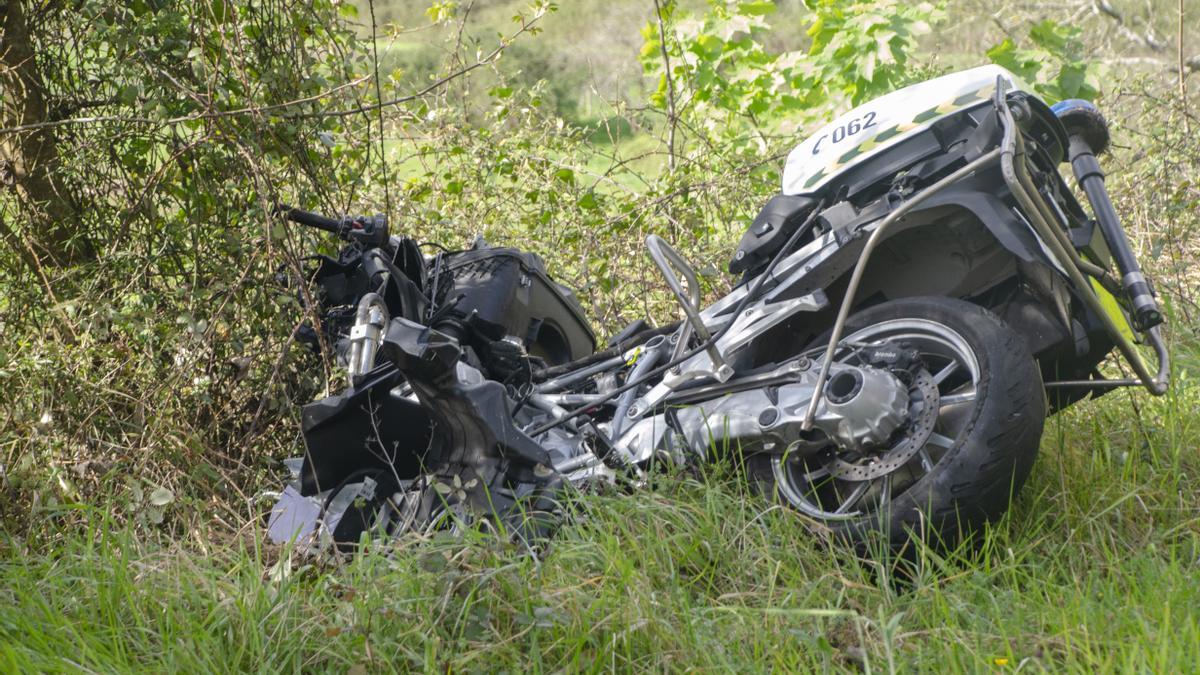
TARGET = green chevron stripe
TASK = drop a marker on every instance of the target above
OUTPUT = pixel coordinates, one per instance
(930, 114)
(965, 98)
(888, 133)
(850, 154)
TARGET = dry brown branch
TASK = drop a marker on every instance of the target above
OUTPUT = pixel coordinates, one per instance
(1146, 37)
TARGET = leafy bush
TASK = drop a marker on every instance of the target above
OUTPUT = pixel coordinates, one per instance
(730, 84)
(164, 358)
(1056, 66)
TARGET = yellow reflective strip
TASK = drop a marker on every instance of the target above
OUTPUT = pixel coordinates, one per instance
(637, 354)
(1113, 309)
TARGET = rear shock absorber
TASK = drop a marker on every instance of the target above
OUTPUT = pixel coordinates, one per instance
(1088, 134)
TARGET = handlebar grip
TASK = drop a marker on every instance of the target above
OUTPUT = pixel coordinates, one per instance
(309, 218)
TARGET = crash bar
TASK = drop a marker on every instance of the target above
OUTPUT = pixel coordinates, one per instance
(1012, 146)
(666, 257)
(839, 324)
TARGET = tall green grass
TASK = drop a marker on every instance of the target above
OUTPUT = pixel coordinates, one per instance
(1093, 570)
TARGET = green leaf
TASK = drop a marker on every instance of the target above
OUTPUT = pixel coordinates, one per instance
(154, 515)
(220, 11)
(709, 46)
(1054, 66)
(1071, 80)
(756, 8)
(867, 66)
(127, 94)
(440, 12)
(161, 496)
(1051, 36)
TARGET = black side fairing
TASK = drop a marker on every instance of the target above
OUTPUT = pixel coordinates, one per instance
(364, 427)
(510, 288)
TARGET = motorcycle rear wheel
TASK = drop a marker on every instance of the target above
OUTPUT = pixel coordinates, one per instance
(991, 410)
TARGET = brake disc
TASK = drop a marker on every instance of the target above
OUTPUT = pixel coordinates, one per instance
(922, 415)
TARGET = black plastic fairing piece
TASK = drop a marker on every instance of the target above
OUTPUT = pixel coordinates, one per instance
(342, 281)
(404, 295)
(637, 326)
(511, 288)
(1043, 127)
(472, 421)
(363, 427)
(772, 227)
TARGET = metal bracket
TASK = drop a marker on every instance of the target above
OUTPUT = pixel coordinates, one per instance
(668, 261)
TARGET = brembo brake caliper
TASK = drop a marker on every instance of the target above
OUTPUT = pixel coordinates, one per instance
(900, 360)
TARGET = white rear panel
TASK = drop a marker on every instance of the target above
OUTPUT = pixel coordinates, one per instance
(879, 124)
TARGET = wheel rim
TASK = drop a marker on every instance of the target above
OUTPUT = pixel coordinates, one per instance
(807, 484)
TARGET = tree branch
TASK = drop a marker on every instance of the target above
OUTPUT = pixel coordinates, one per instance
(662, 44)
(258, 110)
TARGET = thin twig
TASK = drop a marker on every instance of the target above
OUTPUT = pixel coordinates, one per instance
(387, 190)
(258, 110)
(437, 84)
(1182, 72)
(100, 119)
(662, 44)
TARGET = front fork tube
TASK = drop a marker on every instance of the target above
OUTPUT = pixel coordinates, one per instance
(1012, 162)
(1146, 314)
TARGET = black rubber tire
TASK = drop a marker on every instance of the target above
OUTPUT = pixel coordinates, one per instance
(977, 478)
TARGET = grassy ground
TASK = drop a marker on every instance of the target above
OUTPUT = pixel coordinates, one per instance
(1092, 571)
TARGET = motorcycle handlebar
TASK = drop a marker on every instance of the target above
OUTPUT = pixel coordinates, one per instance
(367, 231)
(310, 219)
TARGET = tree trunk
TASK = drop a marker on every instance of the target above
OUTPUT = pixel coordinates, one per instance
(29, 159)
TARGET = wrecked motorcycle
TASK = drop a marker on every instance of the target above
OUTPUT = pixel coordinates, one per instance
(921, 294)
